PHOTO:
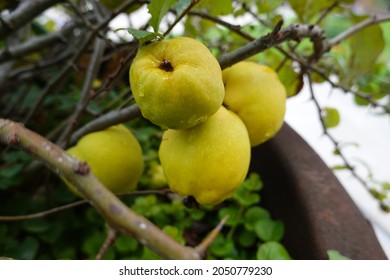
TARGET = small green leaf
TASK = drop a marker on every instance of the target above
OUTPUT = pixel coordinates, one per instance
(254, 214)
(232, 212)
(367, 45)
(36, 226)
(245, 197)
(222, 247)
(143, 36)
(331, 117)
(28, 249)
(335, 255)
(247, 238)
(158, 9)
(269, 230)
(377, 194)
(218, 8)
(272, 250)
(253, 182)
(175, 233)
(125, 244)
(339, 167)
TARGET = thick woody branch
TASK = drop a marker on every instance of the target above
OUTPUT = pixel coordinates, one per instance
(277, 36)
(115, 212)
(23, 14)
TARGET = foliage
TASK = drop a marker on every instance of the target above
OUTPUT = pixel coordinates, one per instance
(58, 87)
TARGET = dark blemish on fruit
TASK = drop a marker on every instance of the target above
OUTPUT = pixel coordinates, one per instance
(166, 65)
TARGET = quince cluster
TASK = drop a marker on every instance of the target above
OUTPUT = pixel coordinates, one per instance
(211, 117)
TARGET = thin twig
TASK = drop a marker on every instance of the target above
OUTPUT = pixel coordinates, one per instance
(181, 16)
(54, 82)
(43, 213)
(74, 204)
(336, 144)
(356, 28)
(110, 239)
(321, 72)
(91, 74)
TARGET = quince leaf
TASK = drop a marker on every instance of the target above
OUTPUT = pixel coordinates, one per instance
(269, 230)
(158, 9)
(335, 255)
(272, 250)
(331, 117)
(143, 36)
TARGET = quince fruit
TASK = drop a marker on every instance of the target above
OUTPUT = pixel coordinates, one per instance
(177, 83)
(114, 156)
(254, 92)
(208, 161)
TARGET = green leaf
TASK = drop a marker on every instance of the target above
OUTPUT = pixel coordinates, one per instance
(144, 36)
(125, 244)
(28, 249)
(269, 230)
(175, 233)
(366, 46)
(339, 167)
(247, 238)
(36, 226)
(335, 255)
(180, 5)
(331, 117)
(245, 197)
(253, 182)
(272, 250)
(217, 8)
(254, 214)
(232, 212)
(158, 9)
(222, 247)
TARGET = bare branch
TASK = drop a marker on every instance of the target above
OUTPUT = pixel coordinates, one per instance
(294, 32)
(180, 17)
(43, 213)
(332, 139)
(23, 14)
(109, 119)
(110, 239)
(356, 28)
(91, 74)
(37, 43)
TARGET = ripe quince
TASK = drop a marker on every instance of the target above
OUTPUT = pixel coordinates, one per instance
(114, 156)
(254, 92)
(177, 83)
(208, 161)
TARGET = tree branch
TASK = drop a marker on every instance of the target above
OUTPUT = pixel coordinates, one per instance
(294, 32)
(37, 43)
(115, 212)
(356, 28)
(23, 14)
(104, 121)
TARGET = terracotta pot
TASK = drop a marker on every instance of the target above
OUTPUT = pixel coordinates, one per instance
(318, 213)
